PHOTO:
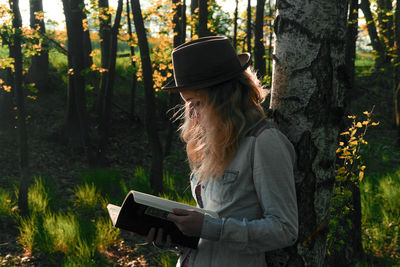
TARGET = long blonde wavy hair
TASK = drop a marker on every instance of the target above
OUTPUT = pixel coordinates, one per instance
(212, 137)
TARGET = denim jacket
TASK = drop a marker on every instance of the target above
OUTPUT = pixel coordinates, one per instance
(256, 202)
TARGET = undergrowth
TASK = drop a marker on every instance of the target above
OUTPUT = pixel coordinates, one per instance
(78, 232)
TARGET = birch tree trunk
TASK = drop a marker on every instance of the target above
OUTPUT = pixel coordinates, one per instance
(307, 103)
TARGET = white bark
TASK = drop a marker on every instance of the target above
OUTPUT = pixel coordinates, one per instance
(307, 100)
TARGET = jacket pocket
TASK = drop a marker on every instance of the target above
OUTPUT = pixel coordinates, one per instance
(222, 190)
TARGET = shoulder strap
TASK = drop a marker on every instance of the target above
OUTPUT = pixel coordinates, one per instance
(260, 127)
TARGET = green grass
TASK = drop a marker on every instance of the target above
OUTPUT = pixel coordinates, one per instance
(364, 64)
(6, 204)
(78, 231)
(75, 237)
(380, 200)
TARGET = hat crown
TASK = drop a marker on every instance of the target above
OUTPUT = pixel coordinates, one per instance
(205, 61)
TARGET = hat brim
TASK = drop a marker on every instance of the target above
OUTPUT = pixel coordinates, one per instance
(244, 60)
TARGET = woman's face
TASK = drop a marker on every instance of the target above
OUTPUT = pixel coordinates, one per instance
(193, 99)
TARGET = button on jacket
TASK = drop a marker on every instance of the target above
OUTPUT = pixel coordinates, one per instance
(256, 202)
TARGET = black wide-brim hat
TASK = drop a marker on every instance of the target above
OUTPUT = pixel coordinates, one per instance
(205, 62)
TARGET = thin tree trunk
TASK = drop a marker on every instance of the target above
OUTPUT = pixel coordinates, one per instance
(397, 69)
(106, 113)
(38, 72)
(385, 21)
(397, 112)
(194, 4)
(235, 25)
(15, 50)
(156, 171)
(377, 45)
(248, 35)
(259, 49)
(353, 250)
(203, 18)
(269, 71)
(87, 45)
(177, 22)
(105, 48)
(350, 52)
(133, 63)
(307, 103)
(184, 22)
(76, 120)
(173, 98)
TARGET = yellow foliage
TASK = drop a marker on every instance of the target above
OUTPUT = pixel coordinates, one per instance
(85, 25)
(39, 15)
(7, 62)
(7, 88)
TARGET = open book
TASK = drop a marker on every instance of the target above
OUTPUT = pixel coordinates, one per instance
(140, 212)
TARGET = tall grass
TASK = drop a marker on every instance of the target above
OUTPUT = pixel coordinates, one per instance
(76, 237)
(380, 201)
(6, 204)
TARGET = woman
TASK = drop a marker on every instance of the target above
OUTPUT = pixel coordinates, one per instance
(242, 166)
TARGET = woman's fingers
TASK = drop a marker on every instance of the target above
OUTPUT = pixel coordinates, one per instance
(169, 241)
(150, 235)
(188, 221)
(159, 238)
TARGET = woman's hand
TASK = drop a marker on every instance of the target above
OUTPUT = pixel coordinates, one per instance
(158, 240)
(189, 222)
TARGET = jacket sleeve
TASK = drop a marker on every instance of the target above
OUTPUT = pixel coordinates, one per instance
(273, 164)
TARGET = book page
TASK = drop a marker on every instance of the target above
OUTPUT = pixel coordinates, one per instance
(113, 210)
(165, 204)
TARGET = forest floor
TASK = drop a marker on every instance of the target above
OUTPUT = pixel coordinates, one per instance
(58, 162)
(128, 149)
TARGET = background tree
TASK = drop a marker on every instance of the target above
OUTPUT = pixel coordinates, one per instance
(270, 31)
(16, 54)
(307, 103)
(179, 38)
(235, 24)
(194, 23)
(385, 21)
(76, 126)
(353, 250)
(249, 25)
(351, 38)
(259, 49)
(156, 169)
(105, 49)
(38, 72)
(108, 94)
(133, 61)
(376, 42)
(203, 18)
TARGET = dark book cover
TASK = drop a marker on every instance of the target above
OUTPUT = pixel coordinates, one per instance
(139, 218)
